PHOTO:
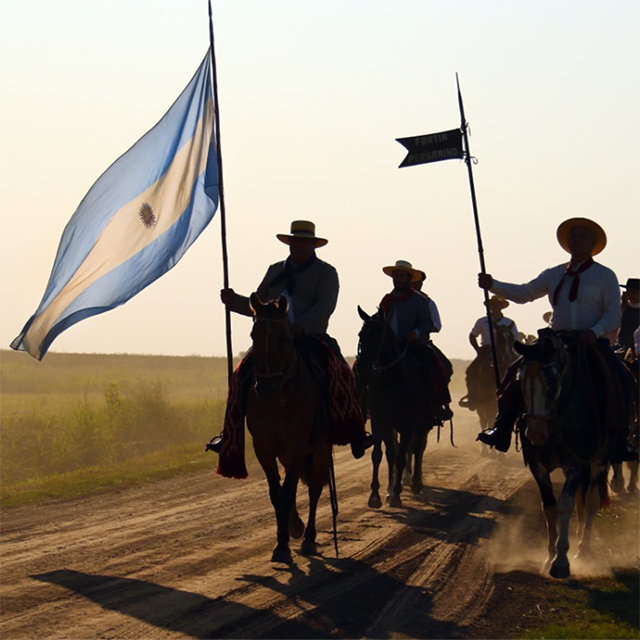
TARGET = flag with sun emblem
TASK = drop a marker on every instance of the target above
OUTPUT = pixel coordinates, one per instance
(136, 221)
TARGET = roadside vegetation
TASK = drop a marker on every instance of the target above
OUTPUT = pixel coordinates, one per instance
(80, 423)
(75, 424)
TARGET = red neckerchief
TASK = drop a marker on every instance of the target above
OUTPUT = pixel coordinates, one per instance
(389, 300)
(575, 274)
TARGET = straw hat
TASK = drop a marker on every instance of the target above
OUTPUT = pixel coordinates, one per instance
(302, 229)
(497, 301)
(403, 265)
(564, 229)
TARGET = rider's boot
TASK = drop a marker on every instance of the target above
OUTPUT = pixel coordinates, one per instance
(500, 436)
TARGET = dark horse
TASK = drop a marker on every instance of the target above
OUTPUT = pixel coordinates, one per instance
(282, 416)
(391, 392)
(561, 430)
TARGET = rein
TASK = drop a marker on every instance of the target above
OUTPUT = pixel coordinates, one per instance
(378, 368)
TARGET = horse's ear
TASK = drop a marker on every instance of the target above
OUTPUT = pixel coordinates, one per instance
(283, 303)
(362, 314)
(254, 302)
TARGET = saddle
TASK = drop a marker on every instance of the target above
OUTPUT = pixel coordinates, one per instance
(340, 400)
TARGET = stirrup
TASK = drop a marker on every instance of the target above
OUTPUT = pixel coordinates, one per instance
(215, 444)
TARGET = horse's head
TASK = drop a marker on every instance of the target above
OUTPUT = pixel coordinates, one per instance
(273, 352)
(542, 375)
(375, 337)
(504, 346)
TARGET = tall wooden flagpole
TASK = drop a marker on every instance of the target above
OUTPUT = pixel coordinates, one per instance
(223, 219)
(469, 162)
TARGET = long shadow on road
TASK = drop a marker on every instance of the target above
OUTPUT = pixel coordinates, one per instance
(338, 598)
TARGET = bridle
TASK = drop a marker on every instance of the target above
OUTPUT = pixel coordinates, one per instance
(536, 371)
(377, 367)
(285, 369)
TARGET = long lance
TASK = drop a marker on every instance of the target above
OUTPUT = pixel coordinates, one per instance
(223, 218)
(469, 161)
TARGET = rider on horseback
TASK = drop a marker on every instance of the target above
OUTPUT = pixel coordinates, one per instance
(483, 358)
(311, 288)
(413, 316)
(586, 304)
(630, 313)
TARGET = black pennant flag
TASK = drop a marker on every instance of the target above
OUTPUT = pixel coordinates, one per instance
(432, 147)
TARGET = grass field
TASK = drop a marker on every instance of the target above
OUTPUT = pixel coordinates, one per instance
(77, 423)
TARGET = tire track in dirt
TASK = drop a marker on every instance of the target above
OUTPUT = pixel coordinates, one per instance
(189, 557)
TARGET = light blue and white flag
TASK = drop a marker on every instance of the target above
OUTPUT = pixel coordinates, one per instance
(136, 221)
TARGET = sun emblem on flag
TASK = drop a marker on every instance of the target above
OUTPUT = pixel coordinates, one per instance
(147, 215)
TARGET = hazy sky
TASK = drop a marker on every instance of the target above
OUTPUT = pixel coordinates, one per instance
(313, 94)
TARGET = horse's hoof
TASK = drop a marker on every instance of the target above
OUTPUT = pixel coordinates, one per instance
(395, 502)
(296, 528)
(309, 548)
(617, 486)
(416, 489)
(374, 502)
(559, 571)
(282, 555)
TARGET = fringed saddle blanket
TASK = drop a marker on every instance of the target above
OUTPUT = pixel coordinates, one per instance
(345, 425)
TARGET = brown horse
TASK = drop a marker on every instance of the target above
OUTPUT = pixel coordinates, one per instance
(283, 410)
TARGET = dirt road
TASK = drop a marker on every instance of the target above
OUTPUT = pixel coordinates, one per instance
(190, 557)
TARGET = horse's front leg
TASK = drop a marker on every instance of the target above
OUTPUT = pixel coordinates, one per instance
(401, 458)
(617, 480)
(391, 451)
(560, 567)
(282, 553)
(272, 473)
(376, 457)
(597, 484)
(320, 468)
(549, 509)
(419, 446)
(632, 487)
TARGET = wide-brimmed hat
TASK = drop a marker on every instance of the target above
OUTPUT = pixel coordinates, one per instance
(564, 229)
(632, 283)
(403, 265)
(302, 229)
(499, 302)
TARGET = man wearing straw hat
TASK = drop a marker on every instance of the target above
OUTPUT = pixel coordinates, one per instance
(483, 359)
(311, 287)
(409, 312)
(630, 313)
(586, 303)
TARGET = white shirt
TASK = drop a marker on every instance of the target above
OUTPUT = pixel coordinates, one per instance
(597, 306)
(481, 328)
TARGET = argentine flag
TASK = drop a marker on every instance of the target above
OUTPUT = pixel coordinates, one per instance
(136, 221)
